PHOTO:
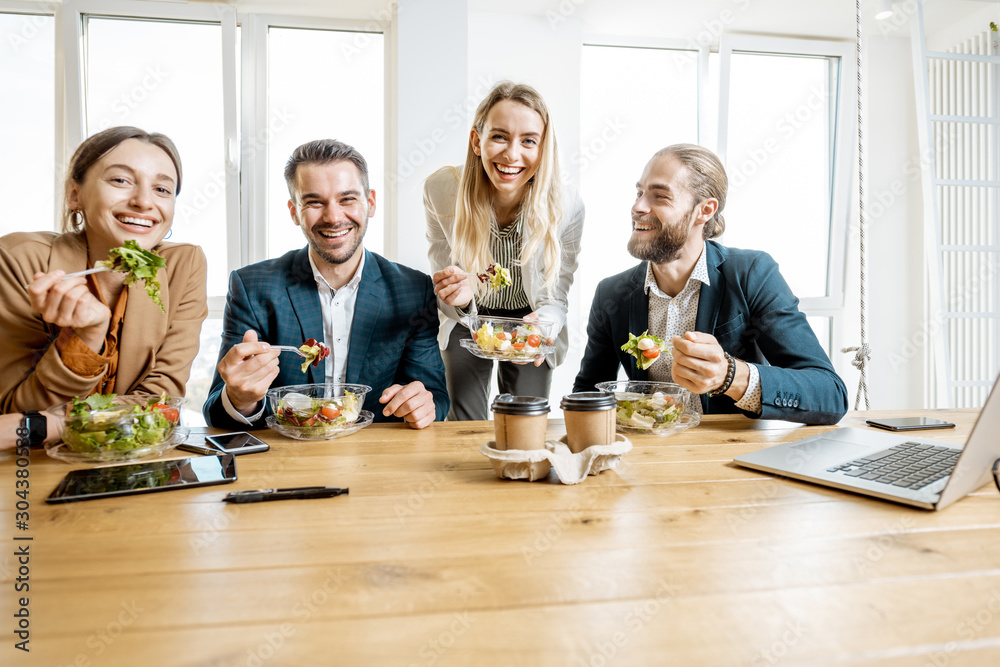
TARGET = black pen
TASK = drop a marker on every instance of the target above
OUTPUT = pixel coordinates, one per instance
(261, 495)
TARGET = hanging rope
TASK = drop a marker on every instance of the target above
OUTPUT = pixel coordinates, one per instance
(863, 351)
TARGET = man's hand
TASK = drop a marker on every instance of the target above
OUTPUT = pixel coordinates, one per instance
(412, 402)
(700, 365)
(452, 286)
(68, 304)
(248, 370)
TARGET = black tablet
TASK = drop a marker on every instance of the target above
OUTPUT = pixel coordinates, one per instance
(124, 480)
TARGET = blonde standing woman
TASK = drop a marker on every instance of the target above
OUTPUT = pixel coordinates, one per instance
(506, 207)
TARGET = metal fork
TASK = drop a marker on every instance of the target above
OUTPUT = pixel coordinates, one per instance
(289, 348)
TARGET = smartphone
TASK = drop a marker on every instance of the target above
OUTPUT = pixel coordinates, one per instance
(237, 443)
(909, 423)
(124, 480)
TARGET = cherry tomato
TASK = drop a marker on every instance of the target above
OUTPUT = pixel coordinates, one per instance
(502, 336)
(330, 412)
(534, 340)
(171, 414)
(651, 353)
(475, 336)
(517, 346)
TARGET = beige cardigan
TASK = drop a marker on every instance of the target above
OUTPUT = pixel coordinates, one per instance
(156, 349)
(440, 195)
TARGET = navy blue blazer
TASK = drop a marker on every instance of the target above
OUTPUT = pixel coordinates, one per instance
(751, 311)
(393, 335)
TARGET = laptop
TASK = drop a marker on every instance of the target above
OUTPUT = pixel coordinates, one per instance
(897, 467)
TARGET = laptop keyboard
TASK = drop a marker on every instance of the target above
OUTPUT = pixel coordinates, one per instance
(910, 465)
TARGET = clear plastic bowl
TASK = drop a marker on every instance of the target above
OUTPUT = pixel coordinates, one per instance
(659, 408)
(510, 338)
(318, 411)
(121, 433)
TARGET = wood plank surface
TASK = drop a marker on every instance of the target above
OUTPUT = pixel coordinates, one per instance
(675, 557)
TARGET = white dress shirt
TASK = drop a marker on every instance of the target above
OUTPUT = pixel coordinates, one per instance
(337, 309)
(673, 316)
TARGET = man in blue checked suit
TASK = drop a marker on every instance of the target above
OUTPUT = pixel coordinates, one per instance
(738, 337)
(378, 318)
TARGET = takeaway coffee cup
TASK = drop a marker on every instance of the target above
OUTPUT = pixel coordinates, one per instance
(590, 419)
(519, 422)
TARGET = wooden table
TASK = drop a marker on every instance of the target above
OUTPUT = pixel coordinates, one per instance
(677, 557)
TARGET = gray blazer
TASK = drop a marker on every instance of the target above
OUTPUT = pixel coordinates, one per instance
(440, 195)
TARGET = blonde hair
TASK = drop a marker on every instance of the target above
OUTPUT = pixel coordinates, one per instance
(541, 205)
(707, 180)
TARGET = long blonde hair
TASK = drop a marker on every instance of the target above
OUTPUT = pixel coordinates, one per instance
(541, 205)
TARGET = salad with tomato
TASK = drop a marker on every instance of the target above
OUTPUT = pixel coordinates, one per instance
(523, 343)
(318, 415)
(100, 423)
(646, 348)
(648, 411)
(314, 352)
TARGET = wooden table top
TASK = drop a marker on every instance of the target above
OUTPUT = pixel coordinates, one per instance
(675, 557)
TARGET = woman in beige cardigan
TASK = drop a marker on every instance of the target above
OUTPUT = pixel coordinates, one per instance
(66, 337)
(505, 206)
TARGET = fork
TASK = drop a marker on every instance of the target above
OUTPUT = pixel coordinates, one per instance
(289, 348)
(96, 269)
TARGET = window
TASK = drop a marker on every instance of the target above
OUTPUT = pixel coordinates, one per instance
(783, 119)
(27, 174)
(171, 83)
(345, 103)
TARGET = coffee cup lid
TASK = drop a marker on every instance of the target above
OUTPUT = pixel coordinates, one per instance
(505, 404)
(585, 401)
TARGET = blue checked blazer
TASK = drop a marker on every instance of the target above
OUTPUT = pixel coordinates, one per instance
(751, 311)
(393, 335)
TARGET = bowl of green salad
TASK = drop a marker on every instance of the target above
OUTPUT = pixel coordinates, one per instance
(318, 411)
(656, 408)
(105, 428)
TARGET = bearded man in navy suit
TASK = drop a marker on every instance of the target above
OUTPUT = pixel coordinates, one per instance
(738, 337)
(378, 318)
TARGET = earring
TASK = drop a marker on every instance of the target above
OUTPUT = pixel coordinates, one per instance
(76, 219)
(169, 234)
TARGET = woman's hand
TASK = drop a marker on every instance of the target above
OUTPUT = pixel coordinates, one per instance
(532, 318)
(452, 285)
(68, 304)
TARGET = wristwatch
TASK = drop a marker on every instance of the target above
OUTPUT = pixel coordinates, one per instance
(34, 427)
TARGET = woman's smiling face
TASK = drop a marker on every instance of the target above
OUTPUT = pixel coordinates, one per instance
(128, 194)
(510, 146)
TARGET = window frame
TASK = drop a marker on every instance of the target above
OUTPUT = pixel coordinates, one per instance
(842, 99)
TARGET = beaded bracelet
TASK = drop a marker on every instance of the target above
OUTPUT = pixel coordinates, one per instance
(730, 376)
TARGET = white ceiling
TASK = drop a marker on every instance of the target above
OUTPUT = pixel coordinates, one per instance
(685, 19)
